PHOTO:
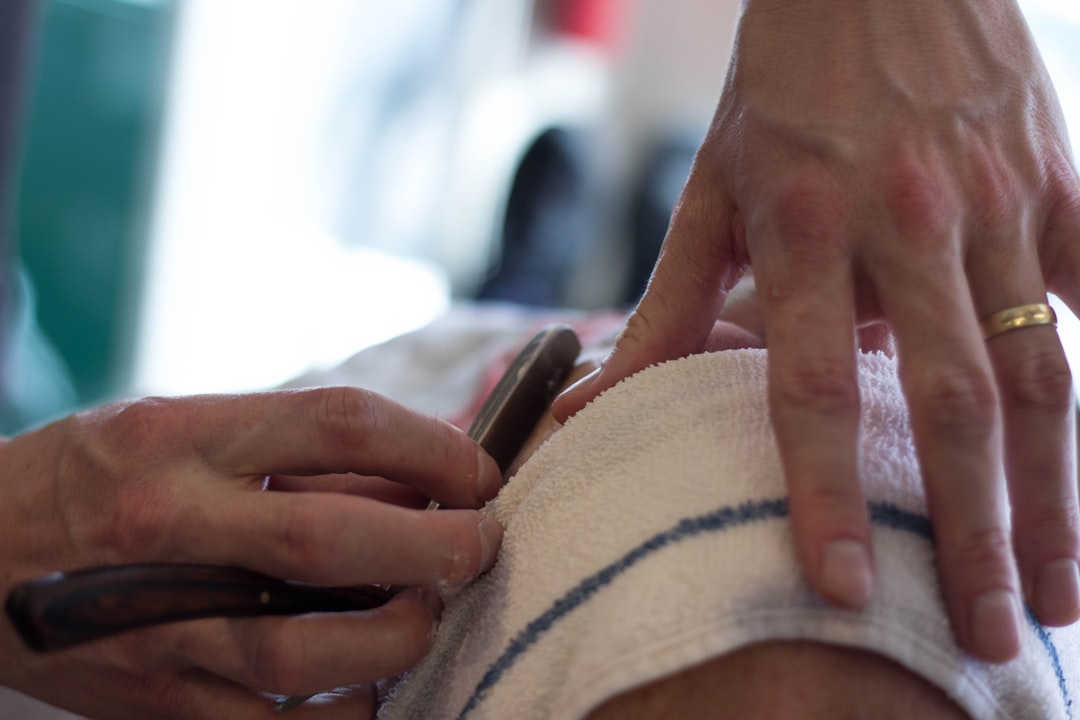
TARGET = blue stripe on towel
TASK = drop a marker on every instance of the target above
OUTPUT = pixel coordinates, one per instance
(1055, 661)
(882, 514)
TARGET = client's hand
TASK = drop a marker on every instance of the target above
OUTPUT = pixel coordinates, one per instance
(263, 482)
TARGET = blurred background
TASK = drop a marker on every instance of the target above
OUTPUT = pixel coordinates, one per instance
(217, 195)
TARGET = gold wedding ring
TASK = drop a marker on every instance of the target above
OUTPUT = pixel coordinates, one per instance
(1018, 317)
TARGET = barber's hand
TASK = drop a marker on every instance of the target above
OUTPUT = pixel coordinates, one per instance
(905, 161)
(262, 482)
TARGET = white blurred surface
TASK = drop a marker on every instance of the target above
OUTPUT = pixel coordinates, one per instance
(246, 284)
(296, 134)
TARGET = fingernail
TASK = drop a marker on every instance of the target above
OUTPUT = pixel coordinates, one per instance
(582, 383)
(488, 479)
(491, 534)
(995, 626)
(1057, 592)
(846, 573)
(566, 404)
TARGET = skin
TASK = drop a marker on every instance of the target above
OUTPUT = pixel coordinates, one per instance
(903, 162)
(321, 486)
(820, 681)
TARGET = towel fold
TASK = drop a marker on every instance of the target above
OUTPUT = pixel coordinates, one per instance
(651, 534)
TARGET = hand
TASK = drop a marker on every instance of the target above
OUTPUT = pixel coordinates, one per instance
(263, 482)
(904, 161)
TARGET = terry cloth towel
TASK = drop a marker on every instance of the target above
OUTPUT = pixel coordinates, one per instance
(651, 533)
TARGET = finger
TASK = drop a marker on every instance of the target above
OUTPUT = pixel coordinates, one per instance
(1036, 390)
(345, 540)
(1037, 395)
(1037, 406)
(805, 285)
(374, 488)
(313, 653)
(951, 393)
(331, 430)
(696, 268)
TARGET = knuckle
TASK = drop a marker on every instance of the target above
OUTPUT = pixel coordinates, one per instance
(1048, 529)
(811, 214)
(817, 386)
(169, 697)
(277, 665)
(917, 200)
(838, 500)
(957, 403)
(347, 417)
(1041, 382)
(306, 536)
(983, 553)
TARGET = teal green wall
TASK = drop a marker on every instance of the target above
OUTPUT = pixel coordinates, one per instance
(85, 181)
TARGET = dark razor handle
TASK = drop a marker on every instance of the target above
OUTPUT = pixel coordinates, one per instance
(65, 609)
(524, 393)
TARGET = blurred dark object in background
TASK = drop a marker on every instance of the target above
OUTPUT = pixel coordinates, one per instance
(546, 223)
(659, 186)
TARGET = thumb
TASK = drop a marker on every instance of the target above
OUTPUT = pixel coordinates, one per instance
(696, 269)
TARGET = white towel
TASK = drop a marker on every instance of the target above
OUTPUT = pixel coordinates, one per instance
(651, 534)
